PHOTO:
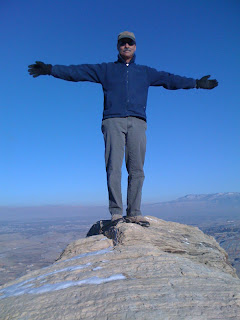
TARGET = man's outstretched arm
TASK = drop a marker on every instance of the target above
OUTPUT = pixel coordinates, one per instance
(172, 82)
(82, 72)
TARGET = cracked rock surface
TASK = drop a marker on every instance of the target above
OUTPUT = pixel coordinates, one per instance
(166, 271)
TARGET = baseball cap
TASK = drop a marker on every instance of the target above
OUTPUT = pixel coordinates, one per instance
(126, 34)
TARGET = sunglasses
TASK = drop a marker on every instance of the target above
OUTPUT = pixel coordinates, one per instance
(130, 42)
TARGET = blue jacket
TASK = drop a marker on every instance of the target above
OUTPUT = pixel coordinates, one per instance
(125, 87)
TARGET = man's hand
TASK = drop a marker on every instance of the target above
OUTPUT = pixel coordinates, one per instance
(204, 83)
(39, 68)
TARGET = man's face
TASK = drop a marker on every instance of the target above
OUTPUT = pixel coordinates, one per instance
(126, 48)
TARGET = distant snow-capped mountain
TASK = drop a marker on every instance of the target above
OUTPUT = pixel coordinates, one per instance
(215, 197)
(197, 206)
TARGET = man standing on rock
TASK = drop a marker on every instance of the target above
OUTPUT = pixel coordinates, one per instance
(125, 86)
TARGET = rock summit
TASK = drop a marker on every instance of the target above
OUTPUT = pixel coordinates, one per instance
(166, 271)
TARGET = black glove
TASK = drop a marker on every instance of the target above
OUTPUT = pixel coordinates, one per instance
(39, 68)
(204, 83)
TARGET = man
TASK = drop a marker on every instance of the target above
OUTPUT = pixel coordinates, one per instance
(125, 87)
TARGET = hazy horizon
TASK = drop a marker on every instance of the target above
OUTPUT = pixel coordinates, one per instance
(227, 205)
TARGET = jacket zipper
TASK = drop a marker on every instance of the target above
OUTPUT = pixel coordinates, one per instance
(127, 88)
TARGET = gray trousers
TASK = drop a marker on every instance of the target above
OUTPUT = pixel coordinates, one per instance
(124, 135)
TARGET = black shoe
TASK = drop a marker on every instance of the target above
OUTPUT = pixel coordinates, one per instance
(137, 219)
(112, 223)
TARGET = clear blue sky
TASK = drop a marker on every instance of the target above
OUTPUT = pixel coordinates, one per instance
(51, 145)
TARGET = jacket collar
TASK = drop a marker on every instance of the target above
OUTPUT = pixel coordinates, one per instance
(121, 60)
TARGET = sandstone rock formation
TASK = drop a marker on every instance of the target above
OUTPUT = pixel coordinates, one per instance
(167, 271)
